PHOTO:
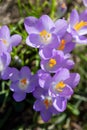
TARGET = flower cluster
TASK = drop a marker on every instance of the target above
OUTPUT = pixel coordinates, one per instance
(53, 85)
(6, 44)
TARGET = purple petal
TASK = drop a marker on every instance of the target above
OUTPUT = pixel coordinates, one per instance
(60, 104)
(46, 52)
(5, 33)
(25, 72)
(11, 73)
(53, 110)
(83, 31)
(62, 75)
(15, 40)
(67, 37)
(38, 92)
(74, 17)
(83, 15)
(69, 64)
(69, 47)
(31, 44)
(19, 96)
(44, 79)
(81, 39)
(67, 91)
(35, 40)
(61, 27)
(3, 47)
(30, 23)
(15, 87)
(46, 115)
(38, 105)
(6, 58)
(73, 80)
(45, 23)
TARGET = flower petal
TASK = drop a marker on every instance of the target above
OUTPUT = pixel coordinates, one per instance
(19, 96)
(38, 105)
(67, 91)
(25, 72)
(15, 40)
(62, 75)
(61, 27)
(29, 24)
(45, 23)
(30, 43)
(73, 80)
(74, 17)
(5, 32)
(60, 103)
(46, 115)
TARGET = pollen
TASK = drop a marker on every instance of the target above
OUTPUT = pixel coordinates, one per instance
(52, 62)
(43, 33)
(62, 44)
(23, 81)
(45, 36)
(4, 41)
(63, 5)
(79, 25)
(47, 103)
(59, 87)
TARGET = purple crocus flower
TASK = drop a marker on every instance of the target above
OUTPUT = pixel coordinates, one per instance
(46, 104)
(22, 82)
(78, 26)
(65, 43)
(62, 83)
(4, 61)
(7, 40)
(57, 61)
(40, 32)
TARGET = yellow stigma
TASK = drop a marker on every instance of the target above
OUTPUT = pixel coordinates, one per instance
(4, 41)
(44, 33)
(23, 81)
(62, 44)
(52, 62)
(47, 103)
(79, 25)
(60, 86)
(45, 36)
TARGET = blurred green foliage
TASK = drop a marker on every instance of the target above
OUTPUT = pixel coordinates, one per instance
(20, 116)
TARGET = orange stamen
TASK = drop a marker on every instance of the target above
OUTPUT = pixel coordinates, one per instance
(62, 44)
(24, 81)
(47, 103)
(60, 86)
(79, 25)
(52, 62)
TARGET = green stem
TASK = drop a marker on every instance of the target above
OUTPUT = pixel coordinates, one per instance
(53, 7)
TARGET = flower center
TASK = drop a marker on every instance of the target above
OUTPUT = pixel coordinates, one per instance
(23, 83)
(79, 25)
(59, 87)
(52, 62)
(47, 102)
(63, 5)
(62, 44)
(45, 36)
(4, 41)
